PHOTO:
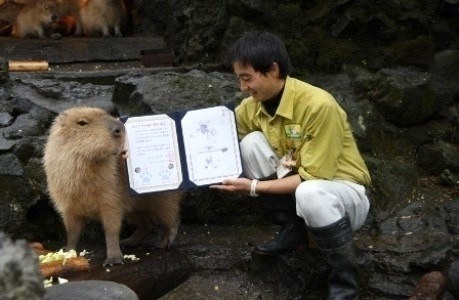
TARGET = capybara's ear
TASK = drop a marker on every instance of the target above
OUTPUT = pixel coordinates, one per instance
(61, 118)
(63, 115)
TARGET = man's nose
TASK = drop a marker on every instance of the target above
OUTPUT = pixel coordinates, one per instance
(243, 86)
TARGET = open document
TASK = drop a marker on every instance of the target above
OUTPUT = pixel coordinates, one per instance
(184, 150)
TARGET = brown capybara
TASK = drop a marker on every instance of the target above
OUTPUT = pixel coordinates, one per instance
(34, 18)
(69, 17)
(104, 17)
(84, 162)
(9, 10)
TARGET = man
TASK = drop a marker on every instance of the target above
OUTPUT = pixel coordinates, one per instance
(300, 156)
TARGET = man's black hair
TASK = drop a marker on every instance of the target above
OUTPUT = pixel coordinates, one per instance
(260, 49)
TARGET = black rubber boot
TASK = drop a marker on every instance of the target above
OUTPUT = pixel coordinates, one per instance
(291, 236)
(280, 210)
(335, 240)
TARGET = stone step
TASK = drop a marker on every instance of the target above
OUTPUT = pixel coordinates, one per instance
(79, 49)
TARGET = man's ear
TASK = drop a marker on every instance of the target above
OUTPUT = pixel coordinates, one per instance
(274, 70)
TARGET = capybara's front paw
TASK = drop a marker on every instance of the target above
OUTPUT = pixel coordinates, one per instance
(163, 244)
(111, 261)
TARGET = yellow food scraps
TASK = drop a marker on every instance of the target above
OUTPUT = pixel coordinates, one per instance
(57, 256)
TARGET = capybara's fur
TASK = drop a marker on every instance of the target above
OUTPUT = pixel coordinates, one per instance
(104, 17)
(86, 174)
(34, 18)
(9, 11)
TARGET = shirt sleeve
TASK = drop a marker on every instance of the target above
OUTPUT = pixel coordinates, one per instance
(322, 140)
(244, 115)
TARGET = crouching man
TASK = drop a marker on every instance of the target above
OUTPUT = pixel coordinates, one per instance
(300, 157)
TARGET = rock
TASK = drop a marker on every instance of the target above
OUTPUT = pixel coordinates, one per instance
(437, 157)
(4, 75)
(452, 220)
(171, 91)
(453, 278)
(446, 62)
(226, 268)
(90, 290)
(5, 119)
(14, 206)
(20, 276)
(149, 273)
(53, 96)
(408, 98)
(431, 286)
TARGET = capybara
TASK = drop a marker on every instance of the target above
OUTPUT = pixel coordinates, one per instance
(34, 18)
(104, 17)
(84, 162)
(9, 11)
(70, 8)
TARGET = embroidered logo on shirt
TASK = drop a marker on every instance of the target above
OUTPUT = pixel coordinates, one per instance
(293, 131)
(291, 144)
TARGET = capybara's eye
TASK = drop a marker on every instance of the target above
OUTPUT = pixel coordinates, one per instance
(82, 123)
(117, 132)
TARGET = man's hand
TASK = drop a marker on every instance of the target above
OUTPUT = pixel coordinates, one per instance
(238, 185)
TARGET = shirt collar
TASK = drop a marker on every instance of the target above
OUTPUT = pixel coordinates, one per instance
(285, 108)
(286, 104)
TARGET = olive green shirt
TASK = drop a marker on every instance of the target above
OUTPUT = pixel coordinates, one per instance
(310, 124)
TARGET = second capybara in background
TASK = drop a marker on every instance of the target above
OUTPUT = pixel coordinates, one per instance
(104, 18)
(84, 162)
(9, 11)
(34, 18)
(70, 9)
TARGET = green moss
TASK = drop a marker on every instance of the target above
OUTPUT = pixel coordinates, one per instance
(418, 51)
(334, 53)
(408, 106)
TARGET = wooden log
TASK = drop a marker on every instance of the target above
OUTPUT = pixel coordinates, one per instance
(60, 267)
(22, 66)
(64, 267)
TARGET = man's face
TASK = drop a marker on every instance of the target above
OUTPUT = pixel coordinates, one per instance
(260, 86)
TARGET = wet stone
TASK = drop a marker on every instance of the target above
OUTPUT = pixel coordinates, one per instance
(453, 278)
(90, 289)
(5, 119)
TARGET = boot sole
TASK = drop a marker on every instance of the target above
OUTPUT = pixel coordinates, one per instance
(264, 253)
(268, 253)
